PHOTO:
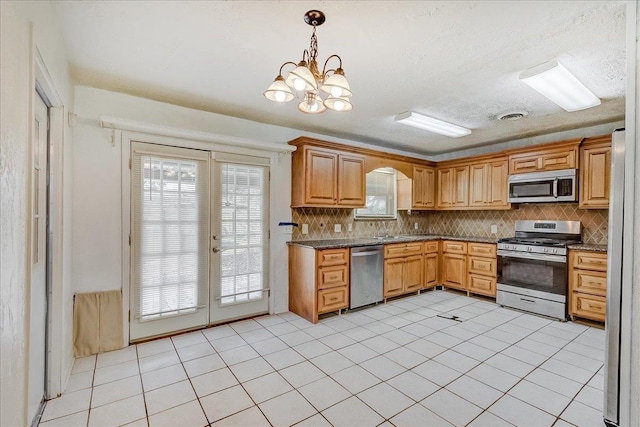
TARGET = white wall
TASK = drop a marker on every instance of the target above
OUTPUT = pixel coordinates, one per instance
(17, 19)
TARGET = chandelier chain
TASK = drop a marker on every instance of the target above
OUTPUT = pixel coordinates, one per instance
(313, 48)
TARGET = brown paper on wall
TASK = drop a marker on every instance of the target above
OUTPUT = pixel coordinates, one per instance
(97, 322)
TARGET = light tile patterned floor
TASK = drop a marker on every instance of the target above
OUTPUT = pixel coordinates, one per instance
(393, 364)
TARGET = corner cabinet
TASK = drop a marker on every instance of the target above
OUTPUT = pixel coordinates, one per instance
(327, 178)
(595, 172)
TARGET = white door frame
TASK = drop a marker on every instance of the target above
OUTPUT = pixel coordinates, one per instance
(124, 138)
(57, 369)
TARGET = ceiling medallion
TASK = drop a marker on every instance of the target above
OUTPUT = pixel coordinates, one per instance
(308, 81)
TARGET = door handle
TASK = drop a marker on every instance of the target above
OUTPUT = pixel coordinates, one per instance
(215, 250)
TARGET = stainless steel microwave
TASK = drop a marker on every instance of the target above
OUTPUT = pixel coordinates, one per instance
(543, 187)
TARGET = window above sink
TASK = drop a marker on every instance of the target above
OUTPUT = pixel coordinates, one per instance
(381, 193)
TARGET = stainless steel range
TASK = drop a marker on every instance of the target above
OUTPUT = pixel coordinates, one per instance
(532, 266)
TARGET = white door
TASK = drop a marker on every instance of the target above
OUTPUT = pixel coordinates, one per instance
(240, 237)
(169, 239)
(199, 238)
(38, 303)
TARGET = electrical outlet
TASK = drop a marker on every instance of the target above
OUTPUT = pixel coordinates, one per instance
(337, 228)
(349, 227)
(415, 226)
(305, 228)
(494, 229)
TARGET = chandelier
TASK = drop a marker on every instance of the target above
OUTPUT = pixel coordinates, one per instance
(308, 81)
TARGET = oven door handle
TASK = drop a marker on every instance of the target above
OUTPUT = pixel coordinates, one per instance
(529, 255)
(555, 188)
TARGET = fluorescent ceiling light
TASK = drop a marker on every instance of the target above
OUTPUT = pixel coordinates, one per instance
(555, 82)
(433, 125)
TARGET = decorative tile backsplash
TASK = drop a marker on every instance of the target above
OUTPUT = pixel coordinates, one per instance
(455, 223)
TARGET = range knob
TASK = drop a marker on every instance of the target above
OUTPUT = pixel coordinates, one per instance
(528, 248)
(546, 250)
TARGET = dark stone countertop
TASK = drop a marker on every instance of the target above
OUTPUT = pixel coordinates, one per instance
(370, 241)
(588, 247)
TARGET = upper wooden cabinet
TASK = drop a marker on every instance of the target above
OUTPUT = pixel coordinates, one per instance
(351, 180)
(423, 189)
(453, 187)
(327, 178)
(488, 184)
(595, 172)
(556, 156)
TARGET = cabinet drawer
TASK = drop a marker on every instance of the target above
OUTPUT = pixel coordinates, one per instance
(595, 261)
(402, 249)
(483, 266)
(588, 306)
(430, 247)
(333, 299)
(482, 249)
(333, 276)
(333, 257)
(454, 247)
(590, 282)
(482, 285)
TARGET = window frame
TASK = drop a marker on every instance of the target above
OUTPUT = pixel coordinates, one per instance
(394, 210)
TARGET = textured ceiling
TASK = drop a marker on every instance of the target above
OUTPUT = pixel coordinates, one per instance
(456, 61)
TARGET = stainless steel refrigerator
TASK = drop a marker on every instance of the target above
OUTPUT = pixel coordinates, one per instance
(616, 375)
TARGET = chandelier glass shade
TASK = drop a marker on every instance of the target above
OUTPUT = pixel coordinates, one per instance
(307, 83)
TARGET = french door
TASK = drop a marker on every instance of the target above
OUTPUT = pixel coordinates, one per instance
(198, 241)
(239, 237)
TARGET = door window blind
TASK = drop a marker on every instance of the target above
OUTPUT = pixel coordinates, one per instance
(170, 244)
(243, 232)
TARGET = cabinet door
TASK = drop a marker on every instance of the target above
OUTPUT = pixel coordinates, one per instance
(461, 186)
(417, 188)
(413, 273)
(454, 274)
(430, 270)
(423, 190)
(351, 180)
(321, 177)
(524, 163)
(445, 191)
(595, 173)
(393, 272)
(478, 184)
(497, 183)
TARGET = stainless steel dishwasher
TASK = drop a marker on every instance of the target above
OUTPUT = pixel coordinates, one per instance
(366, 275)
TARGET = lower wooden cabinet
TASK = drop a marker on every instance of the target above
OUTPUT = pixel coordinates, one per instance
(587, 285)
(403, 268)
(454, 265)
(482, 268)
(431, 258)
(318, 281)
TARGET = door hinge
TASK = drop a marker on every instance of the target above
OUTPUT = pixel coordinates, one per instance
(129, 239)
(129, 163)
